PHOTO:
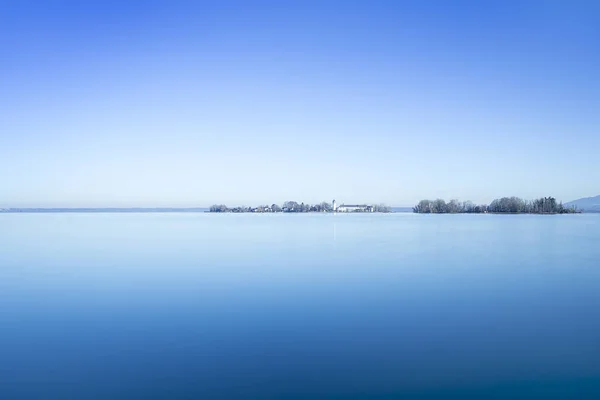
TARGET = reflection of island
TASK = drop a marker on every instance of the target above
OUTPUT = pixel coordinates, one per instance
(295, 207)
(505, 205)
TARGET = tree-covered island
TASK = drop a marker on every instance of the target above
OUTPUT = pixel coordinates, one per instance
(505, 205)
(291, 207)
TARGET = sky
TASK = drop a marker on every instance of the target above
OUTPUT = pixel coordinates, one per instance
(180, 104)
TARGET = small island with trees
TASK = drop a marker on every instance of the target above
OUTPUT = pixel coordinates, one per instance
(505, 205)
(295, 207)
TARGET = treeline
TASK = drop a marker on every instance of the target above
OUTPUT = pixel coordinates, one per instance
(288, 206)
(382, 208)
(505, 205)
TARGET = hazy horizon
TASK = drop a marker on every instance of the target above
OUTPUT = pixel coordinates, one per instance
(187, 104)
(207, 207)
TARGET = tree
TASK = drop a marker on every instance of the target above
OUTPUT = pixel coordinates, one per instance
(424, 207)
(326, 207)
(291, 206)
(468, 207)
(454, 207)
(439, 206)
(382, 208)
(218, 208)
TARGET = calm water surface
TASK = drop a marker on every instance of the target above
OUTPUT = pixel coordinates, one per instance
(203, 306)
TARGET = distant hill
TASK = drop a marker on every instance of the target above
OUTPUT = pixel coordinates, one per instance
(587, 204)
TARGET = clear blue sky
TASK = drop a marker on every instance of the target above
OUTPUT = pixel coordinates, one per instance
(145, 103)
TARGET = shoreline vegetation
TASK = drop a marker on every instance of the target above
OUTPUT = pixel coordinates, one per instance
(289, 207)
(505, 205)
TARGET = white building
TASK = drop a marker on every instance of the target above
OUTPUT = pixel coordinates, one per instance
(352, 207)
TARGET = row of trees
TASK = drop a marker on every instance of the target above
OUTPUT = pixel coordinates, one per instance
(512, 205)
(292, 206)
(289, 206)
(382, 208)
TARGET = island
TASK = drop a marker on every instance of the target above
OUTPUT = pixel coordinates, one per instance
(504, 205)
(295, 207)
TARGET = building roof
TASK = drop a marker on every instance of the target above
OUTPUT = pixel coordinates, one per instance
(354, 205)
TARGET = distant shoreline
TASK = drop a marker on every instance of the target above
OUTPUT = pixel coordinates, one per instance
(131, 210)
(102, 210)
(505, 205)
(296, 207)
(400, 210)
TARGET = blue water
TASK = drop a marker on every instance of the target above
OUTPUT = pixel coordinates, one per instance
(210, 306)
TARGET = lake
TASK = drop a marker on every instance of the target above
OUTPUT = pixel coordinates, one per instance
(279, 306)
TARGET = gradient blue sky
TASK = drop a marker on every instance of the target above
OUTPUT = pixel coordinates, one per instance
(145, 103)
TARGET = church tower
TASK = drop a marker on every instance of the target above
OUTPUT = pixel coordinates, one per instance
(334, 206)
